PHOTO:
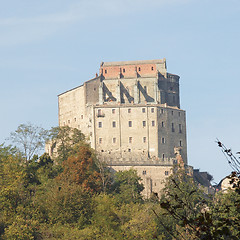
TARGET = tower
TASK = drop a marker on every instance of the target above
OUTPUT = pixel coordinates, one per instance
(131, 114)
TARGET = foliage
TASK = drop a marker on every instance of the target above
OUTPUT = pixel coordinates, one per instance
(66, 140)
(127, 186)
(29, 139)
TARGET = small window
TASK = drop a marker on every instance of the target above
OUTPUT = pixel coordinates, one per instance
(99, 111)
(124, 70)
(144, 139)
(163, 140)
(130, 140)
(180, 143)
(114, 140)
(180, 128)
(100, 140)
(153, 123)
(145, 88)
(81, 116)
(173, 130)
(139, 69)
(75, 119)
(163, 156)
(129, 110)
(144, 123)
(113, 124)
(113, 111)
(130, 123)
(162, 111)
(143, 110)
(99, 124)
(166, 173)
(172, 112)
(152, 110)
(144, 172)
(152, 68)
(68, 121)
(129, 150)
(105, 70)
(179, 114)
(162, 124)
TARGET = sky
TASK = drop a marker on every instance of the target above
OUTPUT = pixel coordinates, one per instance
(50, 46)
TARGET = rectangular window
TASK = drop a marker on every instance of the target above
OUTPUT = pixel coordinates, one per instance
(144, 123)
(130, 140)
(172, 112)
(130, 123)
(180, 128)
(100, 140)
(145, 89)
(144, 172)
(99, 124)
(163, 140)
(153, 123)
(144, 139)
(114, 140)
(68, 121)
(75, 119)
(143, 110)
(113, 111)
(162, 124)
(81, 116)
(180, 143)
(129, 110)
(113, 124)
(179, 114)
(163, 156)
(162, 111)
(173, 130)
(152, 110)
(166, 173)
(99, 111)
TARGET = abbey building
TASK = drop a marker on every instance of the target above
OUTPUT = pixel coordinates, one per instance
(131, 113)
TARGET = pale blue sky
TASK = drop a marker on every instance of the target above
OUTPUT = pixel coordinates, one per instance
(50, 46)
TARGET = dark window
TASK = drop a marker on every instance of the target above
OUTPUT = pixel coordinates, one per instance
(153, 123)
(81, 116)
(130, 140)
(75, 119)
(130, 123)
(144, 139)
(124, 70)
(129, 150)
(179, 114)
(180, 143)
(68, 121)
(129, 110)
(163, 140)
(144, 172)
(113, 111)
(139, 69)
(162, 111)
(172, 112)
(99, 111)
(163, 156)
(105, 71)
(100, 140)
(144, 123)
(166, 173)
(145, 88)
(99, 124)
(173, 130)
(113, 124)
(143, 110)
(152, 68)
(152, 110)
(114, 140)
(162, 124)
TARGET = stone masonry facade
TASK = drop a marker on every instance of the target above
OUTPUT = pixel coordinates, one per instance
(131, 113)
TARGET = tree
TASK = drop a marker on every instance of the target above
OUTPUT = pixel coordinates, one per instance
(127, 186)
(29, 139)
(66, 141)
(81, 169)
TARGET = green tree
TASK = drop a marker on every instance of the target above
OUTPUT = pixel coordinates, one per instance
(29, 139)
(127, 186)
(66, 141)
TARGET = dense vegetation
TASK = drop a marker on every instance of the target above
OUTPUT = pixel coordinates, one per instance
(74, 196)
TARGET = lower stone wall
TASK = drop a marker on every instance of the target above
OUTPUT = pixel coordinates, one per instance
(153, 177)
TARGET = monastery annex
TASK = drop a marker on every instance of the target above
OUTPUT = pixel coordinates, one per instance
(131, 113)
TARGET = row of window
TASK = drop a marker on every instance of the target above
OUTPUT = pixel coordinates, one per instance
(139, 70)
(143, 111)
(144, 123)
(144, 172)
(130, 140)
